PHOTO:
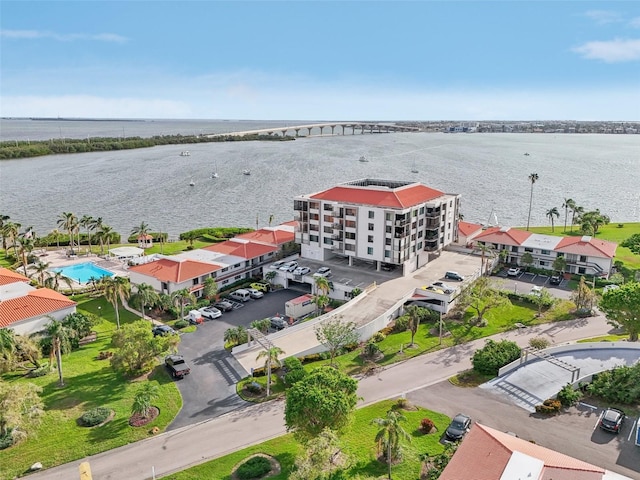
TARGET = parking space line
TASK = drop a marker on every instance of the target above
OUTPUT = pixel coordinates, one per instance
(633, 430)
(598, 421)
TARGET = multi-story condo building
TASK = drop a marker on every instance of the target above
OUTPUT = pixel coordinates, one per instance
(380, 221)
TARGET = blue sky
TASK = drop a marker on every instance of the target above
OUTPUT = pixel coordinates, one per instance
(322, 60)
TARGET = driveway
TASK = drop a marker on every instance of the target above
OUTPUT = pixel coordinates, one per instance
(525, 281)
(573, 432)
(209, 391)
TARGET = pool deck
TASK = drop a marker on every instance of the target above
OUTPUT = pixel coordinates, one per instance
(59, 258)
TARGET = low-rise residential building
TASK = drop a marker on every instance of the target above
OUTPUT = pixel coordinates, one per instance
(467, 231)
(488, 454)
(584, 255)
(281, 236)
(169, 274)
(379, 221)
(26, 309)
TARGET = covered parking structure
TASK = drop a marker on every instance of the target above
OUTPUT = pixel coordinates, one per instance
(126, 253)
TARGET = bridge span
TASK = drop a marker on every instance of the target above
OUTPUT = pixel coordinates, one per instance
(353, 127)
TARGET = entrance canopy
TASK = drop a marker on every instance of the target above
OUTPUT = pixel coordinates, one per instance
(126, 252)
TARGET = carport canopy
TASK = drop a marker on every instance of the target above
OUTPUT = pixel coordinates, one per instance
(126, 252)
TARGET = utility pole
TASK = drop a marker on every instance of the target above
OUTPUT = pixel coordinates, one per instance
(440, 328)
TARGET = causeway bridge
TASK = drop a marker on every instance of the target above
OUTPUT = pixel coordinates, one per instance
(334, 128)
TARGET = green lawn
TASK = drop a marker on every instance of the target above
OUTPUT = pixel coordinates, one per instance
(396, 345)
(605, 338)
(610, 232)
(358, 444)
(89, 383)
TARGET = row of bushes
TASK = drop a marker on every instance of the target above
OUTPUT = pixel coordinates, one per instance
(214, 233)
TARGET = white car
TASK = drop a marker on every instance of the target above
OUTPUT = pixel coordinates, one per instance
(288, 266)
(514, 272)
(608, 288)
(255, 293)
(536, 290)
(323, 272)
(444, 286)
(277, 264)
(210, 313)
(302, 271)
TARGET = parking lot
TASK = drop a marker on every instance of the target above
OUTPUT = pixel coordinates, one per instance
(524, 281)
(209, 391)
(573, 432)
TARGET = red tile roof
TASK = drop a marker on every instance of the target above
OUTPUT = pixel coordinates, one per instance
(9, 276)
(485, 452)
(167, 270)
(302, 299)
(291, 223)
(467, 228)
(36, 303)
(246, 250)
(588, 246)
(269, 236)
(503, 236)
(403, 197)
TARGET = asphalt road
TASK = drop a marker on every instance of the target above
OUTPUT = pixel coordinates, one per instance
(573, 432)
(256, 423)
(525, 281)
(209, 391)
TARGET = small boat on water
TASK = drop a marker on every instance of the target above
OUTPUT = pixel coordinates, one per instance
(185, 153)
(414, 169)
(192, 183)
(246, 172)
(363, 159)
(214, 175)
(526, 154)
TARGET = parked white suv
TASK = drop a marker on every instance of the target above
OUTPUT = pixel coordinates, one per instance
(254, 293)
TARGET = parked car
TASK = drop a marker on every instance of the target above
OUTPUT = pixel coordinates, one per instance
(323, 272)
(433, 288)
(444, 286)
(240, 295)
(454, 276)
(612, 420)
(177, 366)
(302, 271)
(162, 330)
(514, 272)
(555, 280)
(195, 317)
(288, 266)
(536, 290)
(458, 427)
(608, 288)
(277, 264)
(223, 306)
(278, 323)
(263, 287)
(255, 293)
(388, 267)
(210, 313)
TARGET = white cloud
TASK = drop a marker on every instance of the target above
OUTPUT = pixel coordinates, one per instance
(611, 51)
(603, 16)
(37, 34)
(634, 22)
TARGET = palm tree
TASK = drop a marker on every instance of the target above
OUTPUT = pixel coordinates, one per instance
(141, 230)
(533, 178)
(271, 355)
(25, 244)
(390, 435)
(97, 225)
(415, 314)
(69, 222)
(568, 204)
(115, 289)
(60, 343)
(105, 231)
(576, 213)
(484, 251)
(41, 269)
(147, 295)
(55, 233)
(4, 219)
(182, 298)
(143, 399)
(552, 212)
(53, 280)
(10, 231)
(87, 222)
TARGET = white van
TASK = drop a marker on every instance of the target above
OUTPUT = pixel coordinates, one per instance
(241, 295)
(195, 317)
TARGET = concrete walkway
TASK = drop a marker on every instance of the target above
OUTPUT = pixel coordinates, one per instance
(256, 423)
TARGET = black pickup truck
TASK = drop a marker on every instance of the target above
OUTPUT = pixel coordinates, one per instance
(177, 366)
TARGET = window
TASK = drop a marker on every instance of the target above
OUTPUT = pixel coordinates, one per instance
(387, 241)
(370, 251)
(543, 264)
(544, 252)
(387, 254)
(327, 241)
(349, 247)
(237, 265)
(371, 227)
(421, 222)
(582, 270)
(388, 217)
(370, 239)
(514, 249)
(583, 258)
(371, 213)
(419, 245)
(421, 210)
(527, 249)
(313, 238)
(387, 229)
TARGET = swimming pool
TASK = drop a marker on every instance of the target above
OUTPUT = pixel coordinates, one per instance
(82, 272)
